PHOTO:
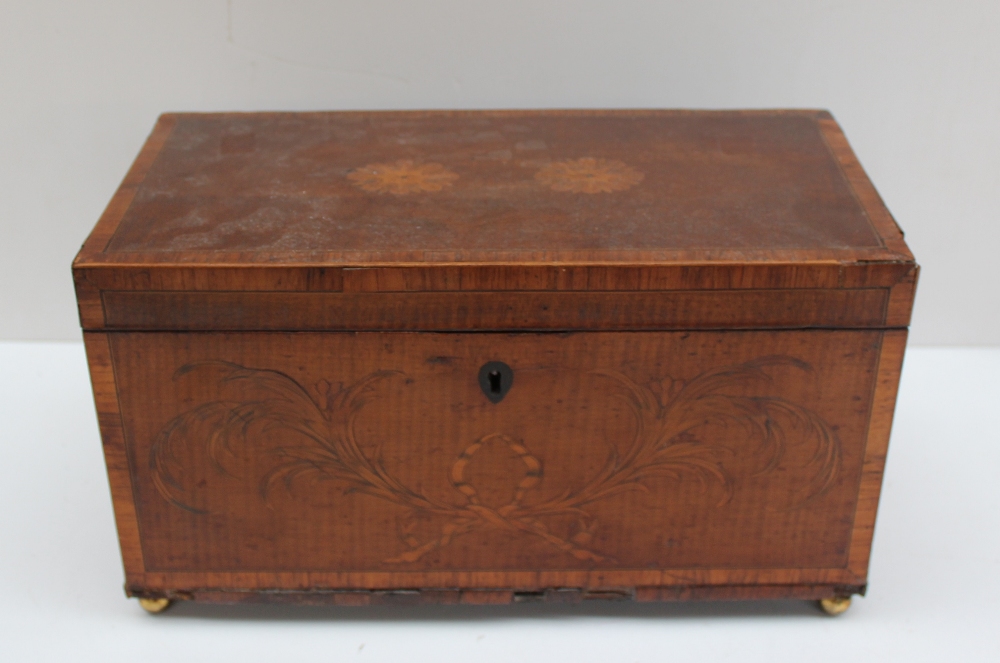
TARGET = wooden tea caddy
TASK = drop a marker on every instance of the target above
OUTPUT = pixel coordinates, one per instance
(482, 357)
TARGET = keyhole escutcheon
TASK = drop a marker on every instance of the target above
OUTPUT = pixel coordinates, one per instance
(495, 379)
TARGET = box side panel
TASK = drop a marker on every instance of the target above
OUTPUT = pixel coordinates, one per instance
(377, 461)
(109, 419)
(877, 445)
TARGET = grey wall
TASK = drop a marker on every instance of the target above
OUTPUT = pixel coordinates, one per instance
(914, 84)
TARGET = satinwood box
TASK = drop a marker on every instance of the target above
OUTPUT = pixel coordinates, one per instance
(481, 356)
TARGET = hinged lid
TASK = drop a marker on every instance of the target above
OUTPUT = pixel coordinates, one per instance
(495, 220)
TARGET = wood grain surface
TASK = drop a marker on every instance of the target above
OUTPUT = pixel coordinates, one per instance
(491, 311)
(624, 455)
(269, 188)
(488, 181)
(699, 318)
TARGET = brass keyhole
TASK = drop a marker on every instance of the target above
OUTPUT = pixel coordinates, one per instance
(495, 379)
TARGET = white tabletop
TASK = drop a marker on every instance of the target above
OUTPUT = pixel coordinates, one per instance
(933, 592)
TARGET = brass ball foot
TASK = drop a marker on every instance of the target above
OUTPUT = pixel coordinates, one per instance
(835, 605)
(154, 606)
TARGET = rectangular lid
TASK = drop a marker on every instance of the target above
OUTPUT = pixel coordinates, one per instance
(451, 201)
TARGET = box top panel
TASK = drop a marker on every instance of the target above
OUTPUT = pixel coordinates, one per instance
(495, 187)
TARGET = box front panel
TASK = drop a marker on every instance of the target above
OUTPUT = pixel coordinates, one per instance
(407, 452)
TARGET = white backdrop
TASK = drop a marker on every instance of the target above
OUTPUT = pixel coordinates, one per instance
(914, 84)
